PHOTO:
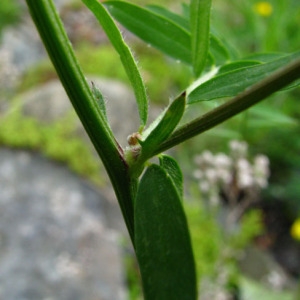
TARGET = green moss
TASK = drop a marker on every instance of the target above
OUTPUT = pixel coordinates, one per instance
(10, 12)
(214, 248)
(37, 75)
(56, 141)
(206, 239)
(101, 61)
(251, 226)
(133, 278)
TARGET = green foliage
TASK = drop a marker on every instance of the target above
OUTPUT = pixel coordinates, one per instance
(169, 32)
(250, 227)
(224, 85)
(235, 81)
(154, 29)
(253, 29)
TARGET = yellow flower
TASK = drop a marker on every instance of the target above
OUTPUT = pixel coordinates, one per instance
(263, 8)
(295, 229)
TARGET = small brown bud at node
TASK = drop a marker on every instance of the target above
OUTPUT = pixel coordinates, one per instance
(133, 139)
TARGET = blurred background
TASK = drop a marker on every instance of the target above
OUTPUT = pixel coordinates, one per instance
(242, 178)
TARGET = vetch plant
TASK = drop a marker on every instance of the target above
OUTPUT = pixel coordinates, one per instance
(149, 194)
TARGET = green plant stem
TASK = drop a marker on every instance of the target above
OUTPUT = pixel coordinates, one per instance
(241, 102)
(59, 48)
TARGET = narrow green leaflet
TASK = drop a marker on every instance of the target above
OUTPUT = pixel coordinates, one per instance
(162, 240)
(153, 28)
(170, 165)
(177, 19)
(167, 122)
(236, 65)
(199, 21)
(218, 51)
(164, 30)
(126, 57)
(231, 83)
(265, 57)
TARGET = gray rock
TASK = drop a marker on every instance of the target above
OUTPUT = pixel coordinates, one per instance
(261, 266)
(54, 239)
(24, 45)
(23, 42)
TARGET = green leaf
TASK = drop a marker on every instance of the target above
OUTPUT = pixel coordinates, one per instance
(163, 127)
(232, 83)
(236, 65)
(268, 57)
(199, 21)
(162, 240)
(153, 28)
(126, 57)
(177, 19)
(164, 30)
(265, 57)
(218, 51)
(170, 165)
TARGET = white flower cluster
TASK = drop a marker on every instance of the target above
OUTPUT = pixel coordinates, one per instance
(225, 173)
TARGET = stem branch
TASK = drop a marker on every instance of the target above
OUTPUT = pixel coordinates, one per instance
(241, 102)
